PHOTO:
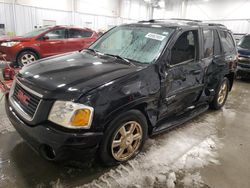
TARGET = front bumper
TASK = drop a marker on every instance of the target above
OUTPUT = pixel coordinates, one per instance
(53, 144)
(7, 53)
(243, 69)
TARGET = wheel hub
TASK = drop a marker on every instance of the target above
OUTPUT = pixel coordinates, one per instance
(27, 58)
(129, 140)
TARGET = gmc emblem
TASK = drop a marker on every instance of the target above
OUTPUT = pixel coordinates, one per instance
(22, 97)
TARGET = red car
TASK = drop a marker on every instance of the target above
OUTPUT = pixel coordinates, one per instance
(44, 42)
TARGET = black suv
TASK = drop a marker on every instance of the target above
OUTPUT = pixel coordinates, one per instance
(108, 99)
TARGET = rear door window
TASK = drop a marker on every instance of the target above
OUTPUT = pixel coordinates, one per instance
(77, 33)
(217, 44)
(208, 42)
(227, 41)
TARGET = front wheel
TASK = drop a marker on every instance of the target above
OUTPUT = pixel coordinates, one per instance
(124, 138)
(26, 57)
(221, 95)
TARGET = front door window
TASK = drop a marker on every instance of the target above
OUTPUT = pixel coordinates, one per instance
(185, 48)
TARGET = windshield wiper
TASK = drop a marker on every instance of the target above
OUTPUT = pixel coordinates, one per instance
(92, 50)
(122, 58)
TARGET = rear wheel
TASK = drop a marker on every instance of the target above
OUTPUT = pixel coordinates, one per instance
(26, 57)
(221, 95)
(124, 138)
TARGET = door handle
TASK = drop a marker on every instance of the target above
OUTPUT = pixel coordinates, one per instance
(194, 72)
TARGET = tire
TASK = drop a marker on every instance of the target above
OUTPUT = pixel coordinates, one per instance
(4, 77)
(110, 146)
(26, 57)
(220, 95)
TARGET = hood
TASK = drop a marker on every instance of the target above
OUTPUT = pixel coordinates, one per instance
(74, 74)
(244, 52)
(8, 39)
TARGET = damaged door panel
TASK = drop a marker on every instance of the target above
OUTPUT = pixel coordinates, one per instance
(184, 75)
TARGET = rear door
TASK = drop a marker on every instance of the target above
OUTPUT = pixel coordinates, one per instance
(89, 37)
(214, 61)
(224, 59)
(184, 75)
(54, 42)
(229, 49)
(79, 39)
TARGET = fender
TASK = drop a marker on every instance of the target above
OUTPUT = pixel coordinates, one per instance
(145, 105)
(28, 49)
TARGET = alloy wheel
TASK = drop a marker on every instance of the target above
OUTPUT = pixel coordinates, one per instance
(126, 141)
(222, 93)
(27, 58)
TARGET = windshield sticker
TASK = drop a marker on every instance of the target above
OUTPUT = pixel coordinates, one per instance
(165, 33)
(155, 36)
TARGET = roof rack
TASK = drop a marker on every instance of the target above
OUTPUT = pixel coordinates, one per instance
(179, 19)
(216, 24)
(143, 21)
(188, 20)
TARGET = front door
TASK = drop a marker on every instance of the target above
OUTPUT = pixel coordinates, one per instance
(184, 75)
(54, 42)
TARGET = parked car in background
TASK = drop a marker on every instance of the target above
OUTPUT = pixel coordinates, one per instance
(238, 36)
(109, 98)
(45, 42)
(243, 68)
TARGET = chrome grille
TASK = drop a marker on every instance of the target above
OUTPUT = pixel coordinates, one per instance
(24, 101)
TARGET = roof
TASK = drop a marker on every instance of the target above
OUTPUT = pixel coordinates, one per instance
(68, 27)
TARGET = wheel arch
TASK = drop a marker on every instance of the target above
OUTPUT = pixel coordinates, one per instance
(230, 76)
(28, 49)
(141, 107)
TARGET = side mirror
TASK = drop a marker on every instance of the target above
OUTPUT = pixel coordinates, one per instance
(45, 38)
(168, 58)
(167, 62)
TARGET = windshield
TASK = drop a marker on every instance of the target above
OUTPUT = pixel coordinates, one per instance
(35, 32)
(245, 42)
(137, 43)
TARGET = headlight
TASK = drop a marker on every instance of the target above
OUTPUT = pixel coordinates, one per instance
(9, 44)
(71, 115)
